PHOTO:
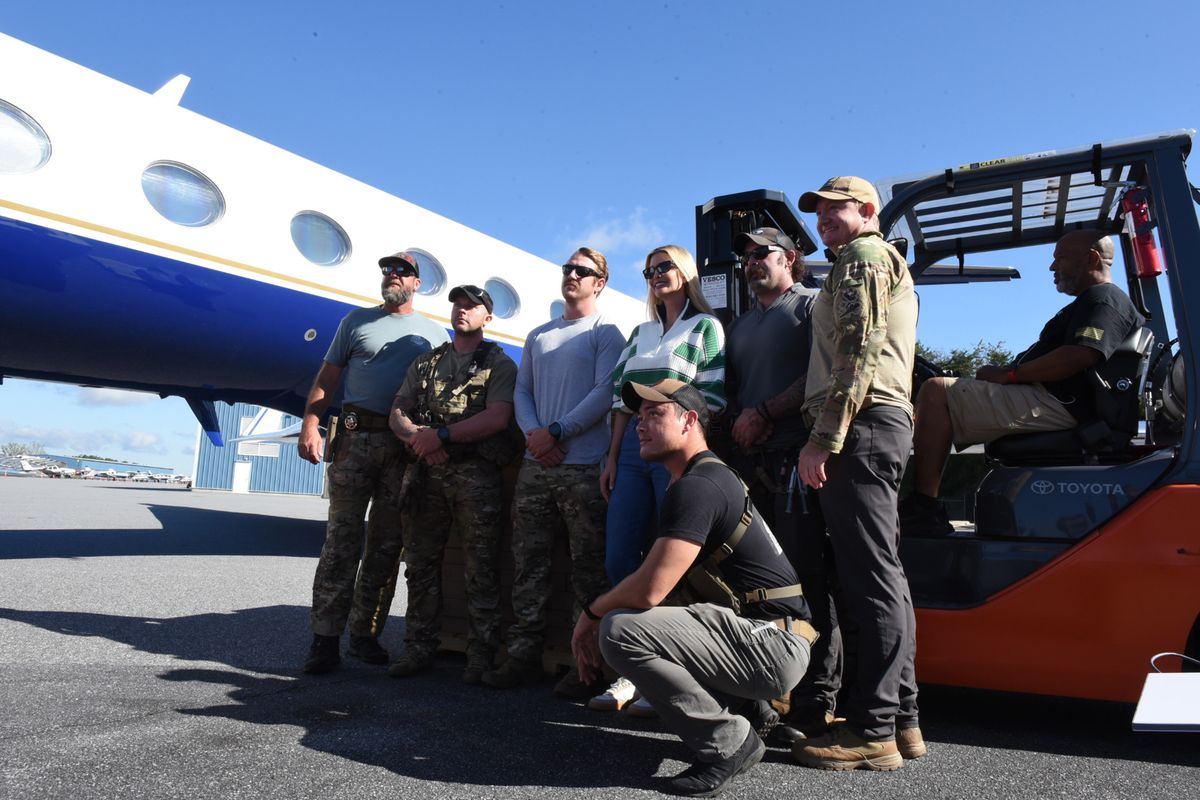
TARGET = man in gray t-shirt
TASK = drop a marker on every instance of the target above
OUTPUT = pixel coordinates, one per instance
(564, 390)
(767, 351)
(356, 579)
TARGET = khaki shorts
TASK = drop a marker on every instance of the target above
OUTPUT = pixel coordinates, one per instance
(981, 411)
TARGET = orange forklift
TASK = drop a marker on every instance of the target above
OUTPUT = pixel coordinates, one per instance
(1081, 559)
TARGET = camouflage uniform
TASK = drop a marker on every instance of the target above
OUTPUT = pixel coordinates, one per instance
(466, 492)
(546, 500)
(367, 468)
(857, 401)
(467, 495)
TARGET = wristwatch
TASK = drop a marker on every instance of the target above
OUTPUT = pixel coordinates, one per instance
(444, 434)
(555, 430)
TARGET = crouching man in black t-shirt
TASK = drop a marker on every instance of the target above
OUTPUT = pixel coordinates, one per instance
(695, 663)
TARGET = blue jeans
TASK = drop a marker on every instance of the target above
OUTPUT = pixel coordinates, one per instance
(632, 507)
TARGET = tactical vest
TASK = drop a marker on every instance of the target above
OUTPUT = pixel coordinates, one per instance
(704, 583)
(441, 401)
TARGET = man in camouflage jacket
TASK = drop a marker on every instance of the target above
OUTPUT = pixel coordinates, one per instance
(454, 410)
(857, 402)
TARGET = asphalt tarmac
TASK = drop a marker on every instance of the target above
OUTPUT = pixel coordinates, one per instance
(150, 645)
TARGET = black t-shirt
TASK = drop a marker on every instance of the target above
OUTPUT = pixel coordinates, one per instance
(1101, 317)
(704, 506)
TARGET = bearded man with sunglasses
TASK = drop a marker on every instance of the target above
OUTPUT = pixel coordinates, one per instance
(766, 367)
(562, 397)
(356, 579)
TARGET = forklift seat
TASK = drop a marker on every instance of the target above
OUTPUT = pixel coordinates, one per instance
(1117, 385)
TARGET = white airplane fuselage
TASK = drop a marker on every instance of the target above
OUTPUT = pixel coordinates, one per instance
(97, 287)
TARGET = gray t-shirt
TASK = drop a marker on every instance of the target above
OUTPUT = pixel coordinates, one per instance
(375, 348)
(766, 351)
(565, 376)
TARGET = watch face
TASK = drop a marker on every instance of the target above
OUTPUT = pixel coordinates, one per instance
(444, 433)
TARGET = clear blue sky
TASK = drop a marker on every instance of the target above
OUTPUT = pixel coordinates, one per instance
(550, 124)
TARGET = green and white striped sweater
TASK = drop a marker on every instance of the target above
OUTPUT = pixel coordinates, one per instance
(693, 350)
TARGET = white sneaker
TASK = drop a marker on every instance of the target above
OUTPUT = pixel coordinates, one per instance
(641, 708)
(619, 695)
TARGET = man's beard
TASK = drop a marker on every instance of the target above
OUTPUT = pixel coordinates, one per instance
(397, 297)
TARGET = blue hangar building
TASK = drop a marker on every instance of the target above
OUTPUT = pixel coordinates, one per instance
(254, 466)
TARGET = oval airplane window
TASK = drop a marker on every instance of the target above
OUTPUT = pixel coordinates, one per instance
(24, 146)
(557, 309)
(505, 302)
(319, 239)
(433, 275)
(182, 195)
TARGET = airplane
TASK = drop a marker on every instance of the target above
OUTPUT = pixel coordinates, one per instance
(180, 256)
(20, 467)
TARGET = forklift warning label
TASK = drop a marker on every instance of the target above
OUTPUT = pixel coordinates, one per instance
(713, 288)
(996, 162)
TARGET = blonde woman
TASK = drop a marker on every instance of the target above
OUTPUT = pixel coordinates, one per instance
(684, 341)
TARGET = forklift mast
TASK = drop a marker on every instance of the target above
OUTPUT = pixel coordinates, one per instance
(718, 221)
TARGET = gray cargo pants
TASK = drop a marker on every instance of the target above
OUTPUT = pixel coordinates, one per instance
(691, 664)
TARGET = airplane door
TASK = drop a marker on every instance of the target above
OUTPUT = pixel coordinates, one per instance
(241, 477)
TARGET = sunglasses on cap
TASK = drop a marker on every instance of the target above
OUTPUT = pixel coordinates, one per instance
(662, 268)
(762, 251)
(582, 272)
(403, 270)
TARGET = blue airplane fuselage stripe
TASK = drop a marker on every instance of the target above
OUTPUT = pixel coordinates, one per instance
(79, 310)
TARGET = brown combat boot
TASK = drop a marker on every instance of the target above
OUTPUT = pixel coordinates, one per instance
(842, 749)
(478, 662)
(911, 743)
(410, 662)
(513, 673)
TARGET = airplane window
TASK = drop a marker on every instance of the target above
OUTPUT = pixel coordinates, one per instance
(24, 146)
(504, 298)
(182, 195)
(557, 309)
(433, 276)
(319, 239)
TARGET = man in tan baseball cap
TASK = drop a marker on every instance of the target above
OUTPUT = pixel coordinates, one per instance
(857, 406)
(845, 187)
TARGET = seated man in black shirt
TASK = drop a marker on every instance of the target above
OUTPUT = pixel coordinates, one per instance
(1044, 389)
(692, 663)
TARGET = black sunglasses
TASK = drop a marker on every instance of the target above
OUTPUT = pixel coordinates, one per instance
(582, 272)
(404, 270)
(661, 268)
(762, 251)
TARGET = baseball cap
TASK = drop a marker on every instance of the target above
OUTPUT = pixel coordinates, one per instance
(479, 296)
(668, 390)
(846, 187)
(763, 236)
(403, 257)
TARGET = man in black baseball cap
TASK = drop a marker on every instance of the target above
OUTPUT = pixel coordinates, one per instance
(402, 262)
(766, 370)
(692, 662)
(480, 297)
(454, 411)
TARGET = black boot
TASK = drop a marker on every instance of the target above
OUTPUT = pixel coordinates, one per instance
(324, 655)
(368, 649)
(709, 779)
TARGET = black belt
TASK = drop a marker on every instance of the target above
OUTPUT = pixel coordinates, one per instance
(355, 418)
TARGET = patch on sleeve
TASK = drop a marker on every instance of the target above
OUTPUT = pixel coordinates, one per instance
(1089, 332)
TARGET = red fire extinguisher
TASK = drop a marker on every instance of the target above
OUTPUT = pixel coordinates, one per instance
(1136, 205)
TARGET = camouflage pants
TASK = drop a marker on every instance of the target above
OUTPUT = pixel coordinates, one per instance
(547, 500)
(358, 565)
(467, 495)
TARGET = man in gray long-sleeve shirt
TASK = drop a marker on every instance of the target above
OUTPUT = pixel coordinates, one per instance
(564, 390)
